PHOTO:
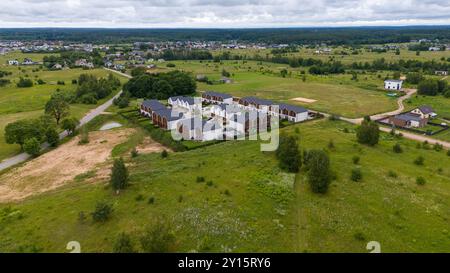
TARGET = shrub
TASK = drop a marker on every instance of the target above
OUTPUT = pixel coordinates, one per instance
(60, 83)
(70, 124)
(159, 238)
(288, 154)
(151, 200)
(119, 175)
(170, 65)
(448, 153)
(84, 136)
(333, 117)
(40, 81)
(134, 153)
(392, 174)
(139, 197)
(102, 212)
(420, 181)
(355, 159)
(356, 175)
(32, 146)
(52, 137)
(164, 154)
(319, 174)
(209, 183)
(180, 198)
(123, 244)
(200, 179)
(419, 160)
(397, 148)
(368, 133)
(23, 83)
(331, 144)
(438, 147)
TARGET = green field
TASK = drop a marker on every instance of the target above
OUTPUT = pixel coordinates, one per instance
(19, 103)
(347, 58)
(334, 94)
(256, 206)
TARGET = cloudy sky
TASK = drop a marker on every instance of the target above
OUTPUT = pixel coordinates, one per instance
(221, 13)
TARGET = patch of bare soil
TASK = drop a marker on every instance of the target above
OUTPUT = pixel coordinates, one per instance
(150, 146)
(305, 100)
(60, 166)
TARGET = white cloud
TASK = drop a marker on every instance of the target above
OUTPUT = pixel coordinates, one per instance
(221, 13)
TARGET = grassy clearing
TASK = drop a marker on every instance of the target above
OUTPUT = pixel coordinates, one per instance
(336, 94)
(255, 207)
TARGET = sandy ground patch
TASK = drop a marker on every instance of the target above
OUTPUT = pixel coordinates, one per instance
(150, 146)
(305, 100)
(62, 165)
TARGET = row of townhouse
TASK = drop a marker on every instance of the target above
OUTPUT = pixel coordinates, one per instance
(226, 117)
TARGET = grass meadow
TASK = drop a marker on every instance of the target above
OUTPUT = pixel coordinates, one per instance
(255, 206)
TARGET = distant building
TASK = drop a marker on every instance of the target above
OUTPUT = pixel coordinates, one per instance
(226, 80)
(441, 72)
(434, 48)
(84, 63)
(393, 84)
(27, 61)
(424, 112)
(13, 62)
(57, 66)
(216, 97)
(408, 120)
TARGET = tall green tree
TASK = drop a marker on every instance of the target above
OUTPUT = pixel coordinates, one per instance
(70, 125)
(368, 132)
(288, 154)
(19, 131)
(319, 173)
(57, 107)
(119, 175)
(32, 146)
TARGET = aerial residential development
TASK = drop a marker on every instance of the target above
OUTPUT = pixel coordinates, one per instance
(248, 129)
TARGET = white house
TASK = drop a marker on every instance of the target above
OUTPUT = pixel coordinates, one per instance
(13, 62)
(198, 129)
(293, 113)
(27, 61)
(216, 97)
(441, 72)
(393, 84)
(424, 112)
(186, 103)
(434, 48)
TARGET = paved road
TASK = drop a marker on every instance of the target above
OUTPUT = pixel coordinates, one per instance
(400, 109)
(88, 117)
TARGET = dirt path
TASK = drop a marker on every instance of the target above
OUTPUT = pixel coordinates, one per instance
(60, 166)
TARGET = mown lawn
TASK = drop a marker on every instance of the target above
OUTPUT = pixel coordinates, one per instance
(250, 205)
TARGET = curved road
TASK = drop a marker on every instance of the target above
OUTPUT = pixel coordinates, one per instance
(22, 157)
(400, 109)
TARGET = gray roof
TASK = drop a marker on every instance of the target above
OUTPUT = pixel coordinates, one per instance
(153, 104)
(189, 100)
(409, 117)
(256, 100)
(167, 113)
(426, 109)
(294, 108)
(398, 81)
(217, 94)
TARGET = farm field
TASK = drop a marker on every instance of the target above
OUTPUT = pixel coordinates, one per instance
(19, 103)
(348, 58)
(256, 207)
(334, 94)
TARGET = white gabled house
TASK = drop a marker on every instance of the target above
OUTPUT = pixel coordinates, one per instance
(293, 113)
(424, 112)
(216, 97)
(393, 84)
(187, 103)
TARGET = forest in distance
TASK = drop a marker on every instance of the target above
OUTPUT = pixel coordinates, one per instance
(334, 36)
